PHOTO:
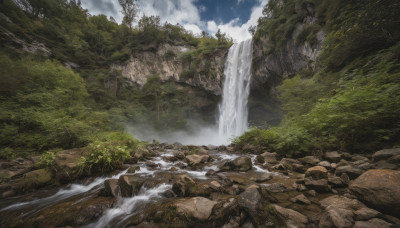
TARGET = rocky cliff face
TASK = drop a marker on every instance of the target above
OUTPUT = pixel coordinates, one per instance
(167, 63)
(269, 70)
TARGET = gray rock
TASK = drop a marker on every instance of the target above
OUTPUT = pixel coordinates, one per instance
(351, 171)
(336, 217)
(320, 185)
(385, 154)
(380, 188)
(292, 217)
(197, 207)
(373, 223)
(301, 199)
(366, 214)
(239, 164)
(309, 160)
(325, 164)
(269, 157)
(332, 156)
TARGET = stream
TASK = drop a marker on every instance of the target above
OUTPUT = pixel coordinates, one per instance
(158, 172)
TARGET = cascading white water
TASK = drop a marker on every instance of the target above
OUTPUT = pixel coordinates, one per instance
(233, 109)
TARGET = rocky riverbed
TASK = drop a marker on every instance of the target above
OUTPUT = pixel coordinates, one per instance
(186, 186)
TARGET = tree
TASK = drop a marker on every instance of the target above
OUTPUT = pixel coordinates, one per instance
(130, 10)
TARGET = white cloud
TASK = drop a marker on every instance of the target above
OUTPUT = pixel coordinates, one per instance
(193, 28)
(212, 27)
(183, 12)
(240, 32)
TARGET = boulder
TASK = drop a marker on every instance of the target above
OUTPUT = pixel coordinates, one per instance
(133, 169)
(291, 217)
(320, 185)
(239, 164)
(337, 201)
(335, 181)
(301, 199)
(197, 207)
(325, 164)
(332, 156)
(262, 177)
(269, 157)
(317, 172)
(372, 223)
(379, 188)
(183, 185)
(195, 160)
(366, 214)
(385, 154)
(111, 188)
(337, 217)
(351, 171)
(130, 185)
(309, 160)
(250, 199)
(66, 164)
(36, 178)
(383, 164)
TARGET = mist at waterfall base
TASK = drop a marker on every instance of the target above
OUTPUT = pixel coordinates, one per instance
(233, 113)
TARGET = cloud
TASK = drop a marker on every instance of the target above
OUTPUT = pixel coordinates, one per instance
(183, 12)
(240, 32)
(106, 7)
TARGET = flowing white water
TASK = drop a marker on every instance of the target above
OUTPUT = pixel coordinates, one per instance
(233, 109)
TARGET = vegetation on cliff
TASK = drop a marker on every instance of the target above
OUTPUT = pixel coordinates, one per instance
(351, 101)
(46, 106)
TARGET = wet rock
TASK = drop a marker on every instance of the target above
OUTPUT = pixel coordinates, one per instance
(239, 164)
(111, 188)
(366, 213)
(301, 188)
(358, 158)
(337, 201)
(66, 164)
(195, 160)
(234, 222)
(133, 169)
(335, 181)
(8, 193)
(262, 177)
(332, 156)
(141, 154)
(179, 155)
(337, 217)
(130, 185)
(269, 157)
(385, 154)
(312, 193)
(301, 199)
(260, 159)
(177, 146)
(351, 171)
(211, 172)
(36, 178)
(184, 186)
(373, 223)
(197, 207)
(383, 164)
(202, 151)
(309, 160)
(291, 217)
(325, 164)
(151, 164)
(345, 179)
(317, 172)
(320, 185)
(250, 199)
(276, 187)
(380, 188)
(288, 163)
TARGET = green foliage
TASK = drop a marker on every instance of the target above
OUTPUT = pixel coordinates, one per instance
(43, 107)
(47, 158)
(169, 54)
(110, 154)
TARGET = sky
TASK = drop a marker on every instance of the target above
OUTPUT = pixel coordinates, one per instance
(232, 17)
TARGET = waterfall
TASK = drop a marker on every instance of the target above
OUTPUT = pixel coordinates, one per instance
(233, 109)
